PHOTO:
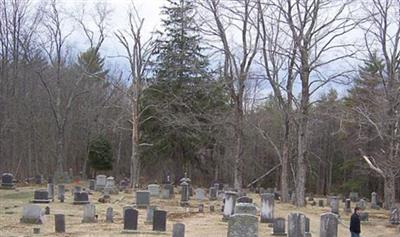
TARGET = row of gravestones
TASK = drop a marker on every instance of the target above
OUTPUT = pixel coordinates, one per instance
(46, 196)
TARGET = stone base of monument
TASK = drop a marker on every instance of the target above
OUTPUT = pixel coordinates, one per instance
(26, 220)
(41, 201)
(137, 232)
(80, 202)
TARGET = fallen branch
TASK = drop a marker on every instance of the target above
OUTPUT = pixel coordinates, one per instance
(262, 176)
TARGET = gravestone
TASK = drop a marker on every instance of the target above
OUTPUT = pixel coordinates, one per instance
(347, 206)
(212, 208)
(184, 194)
(81, 198)
(353, 196)
(50, 190)
(328, 225)
(159, 220)
(100, 182)
(92, 184)
(77, 189)
(7, 181)
(361, 204)
(245, 208)
(243, 225)
(364, 216)
(38, 179)
(394, 218)
(59, 220)
(201, 208)
(109, 215)
(307, 227)
(267, 208)
(321, 203)
(150, 214)
(229, 205)
(142, 199)
(212, 194)
(32, 214)
(200, 194)
(36, 230)
(178, 230)
(123, 185)
(41, 196)
(166, 191)
(110, 187)
(374, 201)
(47, 210)
(154, 190)
(89, 213)
(130, 219)
(278, 228)
(296, 225)
(334, 204)
(61, 192)
(244, 199)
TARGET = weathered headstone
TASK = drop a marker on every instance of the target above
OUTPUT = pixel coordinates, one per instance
(394, 218)
(36, 230)
(166, 191)
(212, 194)
(201, 208)
(50, 190)
(150, 214)
(47, 210)
(321, 203)
(334, 204)
(200, 194)
(109, 215)
(154, 190)
(245, 208)
(59, 223)
(81, 198)
(7, 181)
(110, 187)
(353, 196)
(347, 206)
(229, 206)
(278, 228)
(41, 196)
(364, 216)
(61, 192)
(32, 214)
(267, 208)
(212, 208)
(100, 182)
(244, 199)
(159, 220)
(130, 219)
(374, 201)
(123, 185)
(296, 225)
(89, 213)
(243, 225)
(178, 230)
(142, 199)
(92, 184)
(184, 194)
(328, 225)
(77, 189)
(361, 204)
(307, 226)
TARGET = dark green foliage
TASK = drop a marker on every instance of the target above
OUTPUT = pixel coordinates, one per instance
(100, 154)
(92, 64)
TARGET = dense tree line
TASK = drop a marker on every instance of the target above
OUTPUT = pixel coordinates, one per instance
(227, 90)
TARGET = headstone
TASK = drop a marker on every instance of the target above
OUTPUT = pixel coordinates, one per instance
(335, 204)
(109, 215)
(41, 196)
(278, 228)
(123, 185)
(296, 225)
(267, 208)
(243, 225)
(130, 219)
(89, 213)
(353, 196)
(212, 208)
(212, 194)
(110, 187)
(59, 223)
(100, 182)
(394, 218)
(77, 189)
(200, 194)
(229, 206)
(178, 230)
(142, 199)
(159, 220)
(50, 190)
(328, 225)
(307, 227)
(81, 198)
(374, 201)
(36, 230)
(92, 184)
(7, 181)
(32, 214)
(47, 210)
(364, 216)
(244, 199)
(361, 204)
(154, 190)
(165, 191)
(245, 208)
(61, 192)
(150, 214)
(321, 203)
(201, 208)
(184, 194)
(347, 206)
(38, 179)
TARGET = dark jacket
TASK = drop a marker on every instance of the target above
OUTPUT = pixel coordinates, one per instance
(355, 223)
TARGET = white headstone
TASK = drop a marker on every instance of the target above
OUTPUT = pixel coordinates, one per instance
(200, 194)
(32, 214)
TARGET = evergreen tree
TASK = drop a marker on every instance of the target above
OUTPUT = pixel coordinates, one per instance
(100, 154)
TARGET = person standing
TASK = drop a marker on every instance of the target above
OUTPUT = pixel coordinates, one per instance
(355, 226)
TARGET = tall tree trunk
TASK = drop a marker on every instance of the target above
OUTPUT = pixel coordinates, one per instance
(284, 172)
(389, 192)
(134, 167)
(238, 162)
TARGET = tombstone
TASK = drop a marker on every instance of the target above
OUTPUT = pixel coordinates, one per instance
(201, 208)
(321, 203)
(328, 225)
(50, 190)
(47, 210)
(361, 204)
(244, 200)
(243, 225)
(59, 220)
(61, 192)
(374, 201)
(36, 230)
(217, 186)
(100, 182)
(159, 220)
(200, 194)
(41, 196)
(77, 189)
(92, 184)
(364, 216)
(81, 198)
(154, 190)
(245, 208)
(278, 228)
(296, 225)
(142, 199)
(212, 194)
(38, 179)
(212, 208)
(123, 185)
(229, 206)
(354, 197)
(89, 213)
(7, 181)
(184, 194)
(32, 214)
(334, 204)
(110, 188)
(394, 218)
(165, 191)
(130, 219)
(307, 227)
(178, 230)
(347, 206)
(150, 214)
(267, 208)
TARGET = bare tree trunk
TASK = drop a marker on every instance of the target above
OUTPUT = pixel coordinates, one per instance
(389, 191)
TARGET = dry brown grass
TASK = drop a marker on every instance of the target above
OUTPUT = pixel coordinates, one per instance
(197, 224)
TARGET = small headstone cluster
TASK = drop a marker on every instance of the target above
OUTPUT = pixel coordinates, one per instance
(130, 216)
(7, 181)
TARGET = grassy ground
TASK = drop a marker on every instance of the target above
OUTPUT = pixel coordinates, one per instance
(197, 224)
